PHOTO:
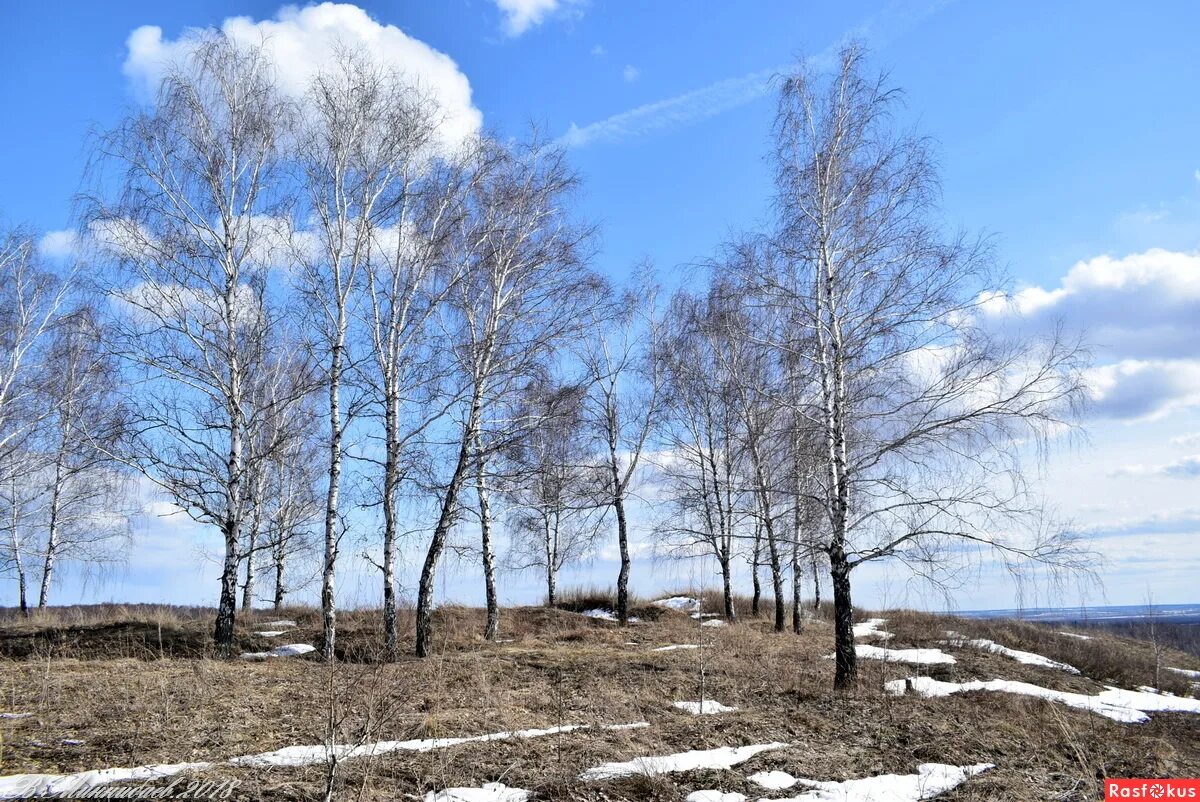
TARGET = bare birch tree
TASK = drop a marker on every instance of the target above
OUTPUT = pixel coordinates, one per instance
(623, 405)
(526, 290)
(186, 230)
(922, 413)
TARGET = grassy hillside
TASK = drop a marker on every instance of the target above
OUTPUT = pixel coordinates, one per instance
(110, 687)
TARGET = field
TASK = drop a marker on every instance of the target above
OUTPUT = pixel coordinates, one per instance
(125, 687)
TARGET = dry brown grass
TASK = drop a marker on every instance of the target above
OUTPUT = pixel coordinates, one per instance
(562, 668)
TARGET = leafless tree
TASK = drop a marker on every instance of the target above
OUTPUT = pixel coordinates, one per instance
(88, 493)
(702, 462)
(526, 290)
(923, 414)
(189, 230)
(624, 403)
(415, 261)
(555, 500)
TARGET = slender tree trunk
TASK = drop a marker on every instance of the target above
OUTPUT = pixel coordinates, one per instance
(816, 575)
(727, 587)
(227, 606)
(328, 600)
(776, 578)
(845, 658)
(492, 628)
(623, 574)
(248, 586)
(755, 562)
(391, 480)
(51, 537)
(280, 559)
(438, 542)
(549, 551)
(797, 611)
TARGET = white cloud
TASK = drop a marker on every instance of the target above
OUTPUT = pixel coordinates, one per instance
(630, 73)
(1140, 314)
(598, 51)
(521, 15)
(59, 244)
(1186, 468)
(1186, 440)
(302, 41)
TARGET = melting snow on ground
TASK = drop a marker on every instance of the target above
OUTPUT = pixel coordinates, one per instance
(270, 633)
(488, 792)
(724, 757)
(871, 629)
(931, 779)
(1129, 707)
(715, 796)
(684, 604)
(1028, 658)
(713, 622)
(675, 646)
(19, 786)
(1075, 635)
(705, 708)
(15, 715)
(917, 656)
(606, 615)
(282, 624)
(1184, 671)
(291, 650)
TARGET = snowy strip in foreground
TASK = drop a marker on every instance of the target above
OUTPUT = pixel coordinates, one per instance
(488, 792)
(706, 708)
(1028, 658)
(675, 646)
(931, 779)
(1129, 707)
(724, 757)
(20, 786)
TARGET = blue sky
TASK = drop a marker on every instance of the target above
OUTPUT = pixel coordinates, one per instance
(1069, 131)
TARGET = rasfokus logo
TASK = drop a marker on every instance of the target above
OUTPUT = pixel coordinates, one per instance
(1151, 789)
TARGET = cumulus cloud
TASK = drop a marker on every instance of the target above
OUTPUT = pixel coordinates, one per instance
(302, 41)
(630, 73)
(521, 15)
(61, 245)
(1141, 314)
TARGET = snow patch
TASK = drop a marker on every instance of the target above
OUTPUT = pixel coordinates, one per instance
(23, 786)
(715, 796)
(724, 757)
(671, 648)
(713, 622)
(1028, 658)
(772, 780)
(1184, 671)
(930, 687)
(705, 708)
(1075, 635)
(931, 779)
(270, 633)
(871, 629)
(684, 604)
(488, 792)
(15, 715)
(916, 656)
(281, 624)
(1149, 702)
(607, 615)
(291, 650)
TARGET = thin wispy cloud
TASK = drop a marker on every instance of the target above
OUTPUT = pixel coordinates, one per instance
(731, 93)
